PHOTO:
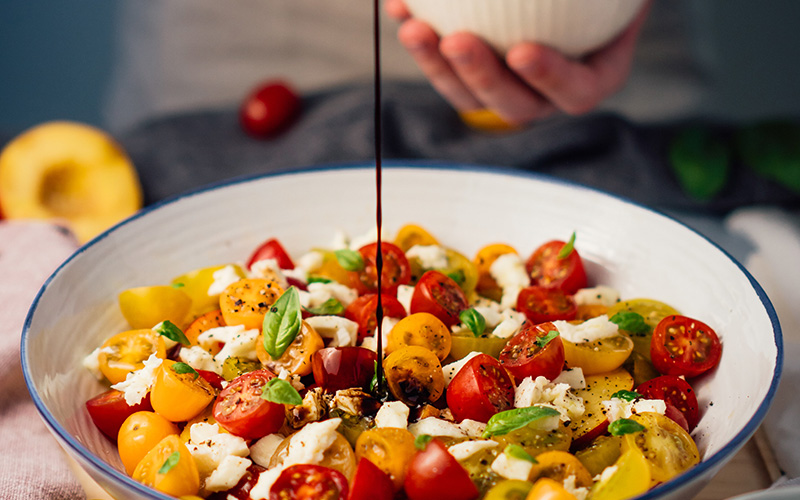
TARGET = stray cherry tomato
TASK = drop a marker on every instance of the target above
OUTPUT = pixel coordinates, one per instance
(677, 392)
(139, 434)
(338, 368)
(684, 346)
(269, 109)
(271, 249)
(370, 483)
(109, 410)
(435, 473)
(170, 468)
(240, 410)
(541, 304)
(363, 311)
(309, 482)
(547, 269)
(523, 356)
(480, 389)
(437, 294)
(396, 270)
(421, 329)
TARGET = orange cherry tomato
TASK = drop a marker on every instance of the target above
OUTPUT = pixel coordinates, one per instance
(179, 396)
(548, 489)
(209, 320)
(487, 286)
(414, 375)
(559, 465)
(139, 434)
(169, 468)
(390, 449)
(297, 359)
(420, 329)
(127, 352)
(411, 235)
(247, 301)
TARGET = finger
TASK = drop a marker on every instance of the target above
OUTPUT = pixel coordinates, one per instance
(423, 45)
(396, 9)
(487, 78)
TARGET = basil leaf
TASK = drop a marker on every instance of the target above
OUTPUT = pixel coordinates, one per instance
(474, 321)
(170, 462)
(181, 368)
(772, 150)
(624, 426)
(511, 420)
(350, 260)
(331, 307)
(626, 395)
(282, 323)
(457, 276)
(421, 441)
(313, 278)
(568, 247)
(373, 385)
(280, 391)
(700, 162)
(543, 341)
(631, 322)
(177, 285)
(518, 452)
(172, 332)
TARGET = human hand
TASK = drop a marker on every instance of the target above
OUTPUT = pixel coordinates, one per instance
(533, 81)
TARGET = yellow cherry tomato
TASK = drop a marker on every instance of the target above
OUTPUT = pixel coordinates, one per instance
(599, 388)
(139, 433)
(203, 323)
(330, 268)
(390, 449)
(589, 311)
(463, 272)
(509, 489)
(420, 329)
(599, 356)
(338, 456)
(486, 285)
(667, 447)
(602, 452)
(414, 375)
(169, 468)
(465, 343)
(548, 489)
(247, 301)
(652, 311)
(559, 465)
(536, 441)
(179, 396)
(412, 234)
(196, 284)
(147, 306)
(297, 357)
(126, 352)
(631, 478)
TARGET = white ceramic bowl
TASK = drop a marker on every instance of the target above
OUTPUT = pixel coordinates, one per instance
(575, 27)
(638, 251)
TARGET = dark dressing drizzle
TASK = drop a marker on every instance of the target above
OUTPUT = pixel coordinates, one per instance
(376, 25)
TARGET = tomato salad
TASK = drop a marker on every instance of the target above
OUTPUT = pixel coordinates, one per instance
(505, 377)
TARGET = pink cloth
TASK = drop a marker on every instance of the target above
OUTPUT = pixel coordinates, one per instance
(34, 466)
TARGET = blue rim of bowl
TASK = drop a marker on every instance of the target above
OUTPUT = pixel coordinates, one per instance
(686, 478)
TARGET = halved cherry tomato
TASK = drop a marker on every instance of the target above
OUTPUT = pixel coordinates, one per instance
(147, 306)
(535, 441)
(599, 388)
(271, 249)
(363, 311)
(677, 392)
(170, 468)
(548, 489)
(667, 447)
(541, 304)
(480, 389)
(684, 346)
(411, 235)
(214, 379)
(465, 343)
(547, 269)
(602, 452)
(247, 301)
(559, 465)
(338, 368)
(598, 356)
(421, 329)
(630, 478)
(139, 434)
(109, 410)
(240, 410)
(192, 390)
(509, 489)
(309, 482)
(370, 483)
(438, 294)
(209, 320)
(269, 109)
(414, 375)
(652, 311)
(196, 284)
(487, 286)
(297, 357)
(338, 456)
(396, 270)
(676, 415)
(524, 357)
(435, 473)
(126, 352)
(390, 449)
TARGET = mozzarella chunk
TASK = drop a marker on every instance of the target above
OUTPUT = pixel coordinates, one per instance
(319, 293)
(579, 492)
(241, 345)
(269, 269)
(371, 236)
(606, 474)
(222, 278)
(392, 414)
(404, 294)
(265, 481)
(511, 467)
(509, 326)
(599, 295)
(199, 359)
(209, 446)
(617, 408)
(371, 343)
(262, 450)
(509, 272)
(540, 392)
(92, 363)
(342, 331)
(588, 331)
(450, 370)
(466, 449)
(294, 380)
(472, 428)
(573, 377)
(428, 256)
(308, 445)
(229, 472)
(137, 383)
(433, 426)
(310, 261)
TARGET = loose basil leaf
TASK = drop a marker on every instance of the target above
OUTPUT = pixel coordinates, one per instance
(457, 276)
(172, 332)
(631, 322)
(421, 441)
(181, 368)
(624, 426)
(313, 278)
(543, 341)
(701, 162)
(280, 391)
(177, 285)
(511, 420)
(474, 321)
(518, 452)
(282, 323)
(331, 307)
(170, 462)
(350, 260)
(626, 395)
(772, 149)
(568, 247)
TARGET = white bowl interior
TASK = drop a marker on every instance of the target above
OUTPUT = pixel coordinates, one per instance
(641, 253)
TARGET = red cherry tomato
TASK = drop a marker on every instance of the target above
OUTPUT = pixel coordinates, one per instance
(434, 473)
(684, 346)
(675, 391)
(480, 389)
(109, 410)
(271, 249)
(396, 270)
(338, 368)
(212, 378)
(547, 269)
(676, 416)
(524, 357)
(241, 410)
(242, 489)
(438, 294)
(363, 311)
(370, 483)
(269, 109)
(309, 482)
(541, 304)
